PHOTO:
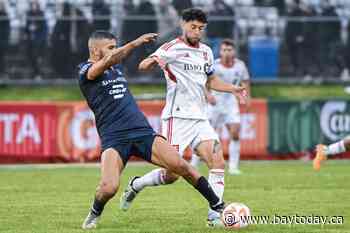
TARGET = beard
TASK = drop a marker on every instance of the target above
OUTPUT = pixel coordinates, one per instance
(192, 42)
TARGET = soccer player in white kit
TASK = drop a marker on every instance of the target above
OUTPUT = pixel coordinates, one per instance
(224, 108)
(325, 151)
(188, 67)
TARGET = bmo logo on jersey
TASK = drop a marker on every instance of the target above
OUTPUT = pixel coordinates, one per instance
(206, 68)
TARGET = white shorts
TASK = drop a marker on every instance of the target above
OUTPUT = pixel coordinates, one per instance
(220, 116)
(182, 133)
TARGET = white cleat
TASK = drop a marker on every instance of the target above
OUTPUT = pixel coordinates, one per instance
(214, 216)
(128, 196)
(214, 219)
(90, 221)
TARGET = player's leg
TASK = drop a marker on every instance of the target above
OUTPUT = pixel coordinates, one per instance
(158, 176)
(195, 160)
(323, 151)
(111, 168)
(215, 117)
(211, 153)
(234, 148)
(164, 155)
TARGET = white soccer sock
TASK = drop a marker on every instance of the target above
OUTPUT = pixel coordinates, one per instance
(234, 151)
(217, 181)
(153, 178)
(195, 160)
(335, 148)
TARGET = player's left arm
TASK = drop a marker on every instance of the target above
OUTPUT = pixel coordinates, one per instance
(215, 83)
(246, 85)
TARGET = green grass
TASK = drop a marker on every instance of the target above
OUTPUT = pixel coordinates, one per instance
(280, 92)
(57, 200)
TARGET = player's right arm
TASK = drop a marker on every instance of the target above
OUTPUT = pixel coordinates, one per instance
(116, 55)
(148, 64)
(161, 57)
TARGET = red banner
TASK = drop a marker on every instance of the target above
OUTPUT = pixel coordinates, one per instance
(65, 131)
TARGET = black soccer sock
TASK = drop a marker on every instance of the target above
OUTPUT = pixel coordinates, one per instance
(205, 189)
(97, 207)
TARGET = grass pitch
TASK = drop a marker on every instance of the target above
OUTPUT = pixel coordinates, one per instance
(42, 200)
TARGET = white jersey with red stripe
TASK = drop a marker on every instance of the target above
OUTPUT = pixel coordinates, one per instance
(235, 74)
(186, 70)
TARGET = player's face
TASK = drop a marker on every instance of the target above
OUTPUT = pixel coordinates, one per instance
(193, 31)
(227, 52)
(104, 47)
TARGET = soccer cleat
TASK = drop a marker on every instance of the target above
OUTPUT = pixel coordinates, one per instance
(215, 223)
(320, 156)
(90, 221)
(234, 171)
(128, 195)
(214, 215)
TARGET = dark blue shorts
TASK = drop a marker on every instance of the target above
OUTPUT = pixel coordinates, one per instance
(140, 147)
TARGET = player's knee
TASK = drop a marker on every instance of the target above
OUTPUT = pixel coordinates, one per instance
(108, 189)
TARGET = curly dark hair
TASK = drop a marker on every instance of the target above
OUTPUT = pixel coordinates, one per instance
(192, 14)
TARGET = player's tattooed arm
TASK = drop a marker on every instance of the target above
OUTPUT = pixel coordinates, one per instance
(148, 64)
(118, 54)
(215, 83)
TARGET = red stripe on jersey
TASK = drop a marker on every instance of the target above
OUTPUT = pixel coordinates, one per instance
(170, 74)
(170, 129)
(167, 46)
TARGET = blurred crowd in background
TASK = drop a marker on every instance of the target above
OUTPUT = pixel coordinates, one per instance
(48, 38)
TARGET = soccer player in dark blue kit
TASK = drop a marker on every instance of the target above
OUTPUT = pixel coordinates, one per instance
(122, 127)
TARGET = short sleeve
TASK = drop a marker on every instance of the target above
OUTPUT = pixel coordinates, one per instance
(83, 70)
(164, 54)
(210, 69)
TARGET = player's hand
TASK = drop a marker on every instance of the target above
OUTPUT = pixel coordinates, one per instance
(241, 94)
(211, 99)
(162, 64)
(146, 38)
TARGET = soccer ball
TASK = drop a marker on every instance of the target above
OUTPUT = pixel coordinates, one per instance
(235, 216)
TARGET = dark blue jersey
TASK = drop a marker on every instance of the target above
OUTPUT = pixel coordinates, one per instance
(117, 116)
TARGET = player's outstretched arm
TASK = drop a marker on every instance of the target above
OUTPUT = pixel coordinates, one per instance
(215, 83)
(148, 64)
(117, 55)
